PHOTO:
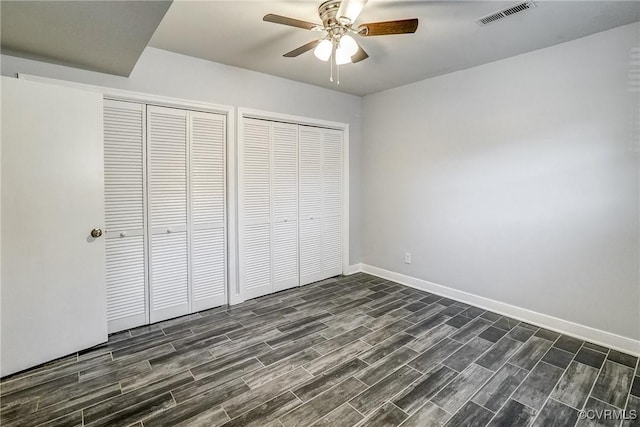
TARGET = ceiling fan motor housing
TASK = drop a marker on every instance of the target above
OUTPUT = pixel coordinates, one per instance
(328, 11)
(332, 25)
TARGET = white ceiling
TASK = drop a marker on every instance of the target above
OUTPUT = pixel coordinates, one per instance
(105, 36)
(448, 39)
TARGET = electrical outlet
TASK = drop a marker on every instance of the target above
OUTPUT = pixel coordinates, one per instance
(407, 258)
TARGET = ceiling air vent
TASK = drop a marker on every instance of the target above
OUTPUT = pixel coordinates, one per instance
(495, 16)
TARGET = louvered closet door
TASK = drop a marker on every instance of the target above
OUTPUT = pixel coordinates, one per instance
(284, 161)
(332, 165)
(310, 204)
(208, 278)
(167, 199)
(124, 168)
(255, 208)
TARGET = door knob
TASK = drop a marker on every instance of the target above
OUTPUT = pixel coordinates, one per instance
(96, 232)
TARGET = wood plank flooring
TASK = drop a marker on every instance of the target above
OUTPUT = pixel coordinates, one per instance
(347, 351)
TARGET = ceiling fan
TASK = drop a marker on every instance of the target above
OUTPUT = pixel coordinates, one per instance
(338, 18)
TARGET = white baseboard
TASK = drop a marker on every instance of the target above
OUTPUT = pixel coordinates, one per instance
(566, 327)
(353, 269)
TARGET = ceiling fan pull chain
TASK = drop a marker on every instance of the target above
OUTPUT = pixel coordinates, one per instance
(331, 61)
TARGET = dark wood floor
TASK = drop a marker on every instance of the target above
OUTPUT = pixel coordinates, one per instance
(354, 350)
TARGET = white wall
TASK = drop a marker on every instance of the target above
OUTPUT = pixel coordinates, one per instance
(516, 181)
(169, 74)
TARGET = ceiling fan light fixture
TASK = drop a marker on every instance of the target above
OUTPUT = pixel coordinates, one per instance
(323, 50)
(348, 45)
(342, 56)
(338, 45)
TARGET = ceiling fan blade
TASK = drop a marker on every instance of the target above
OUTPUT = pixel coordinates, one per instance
(302, 49)
(278, 19)
(360, 55)
(350, 9)
(404, 26)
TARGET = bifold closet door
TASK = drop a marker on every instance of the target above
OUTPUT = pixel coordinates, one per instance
(167, 133)
(255, 208)
(165, 212)
(310, 181)
(332, 195)
(124, 169)
(320, 175)
(290, 205)
(207, 183)
(268, 207)
(284, 172)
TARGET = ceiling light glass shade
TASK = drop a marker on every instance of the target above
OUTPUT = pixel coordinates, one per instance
(342, 56)
(350, 10)
(323, 50)
(348, 45)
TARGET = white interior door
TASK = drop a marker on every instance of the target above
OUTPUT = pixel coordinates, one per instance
(53, 271)
(208, 239)
(125, 183)
(167, 190)
(255, 209)
(284, 166)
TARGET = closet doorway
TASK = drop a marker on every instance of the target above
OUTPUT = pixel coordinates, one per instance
(165, 208)
(292, 201)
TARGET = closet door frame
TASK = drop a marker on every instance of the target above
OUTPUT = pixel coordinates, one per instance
(237, 294)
